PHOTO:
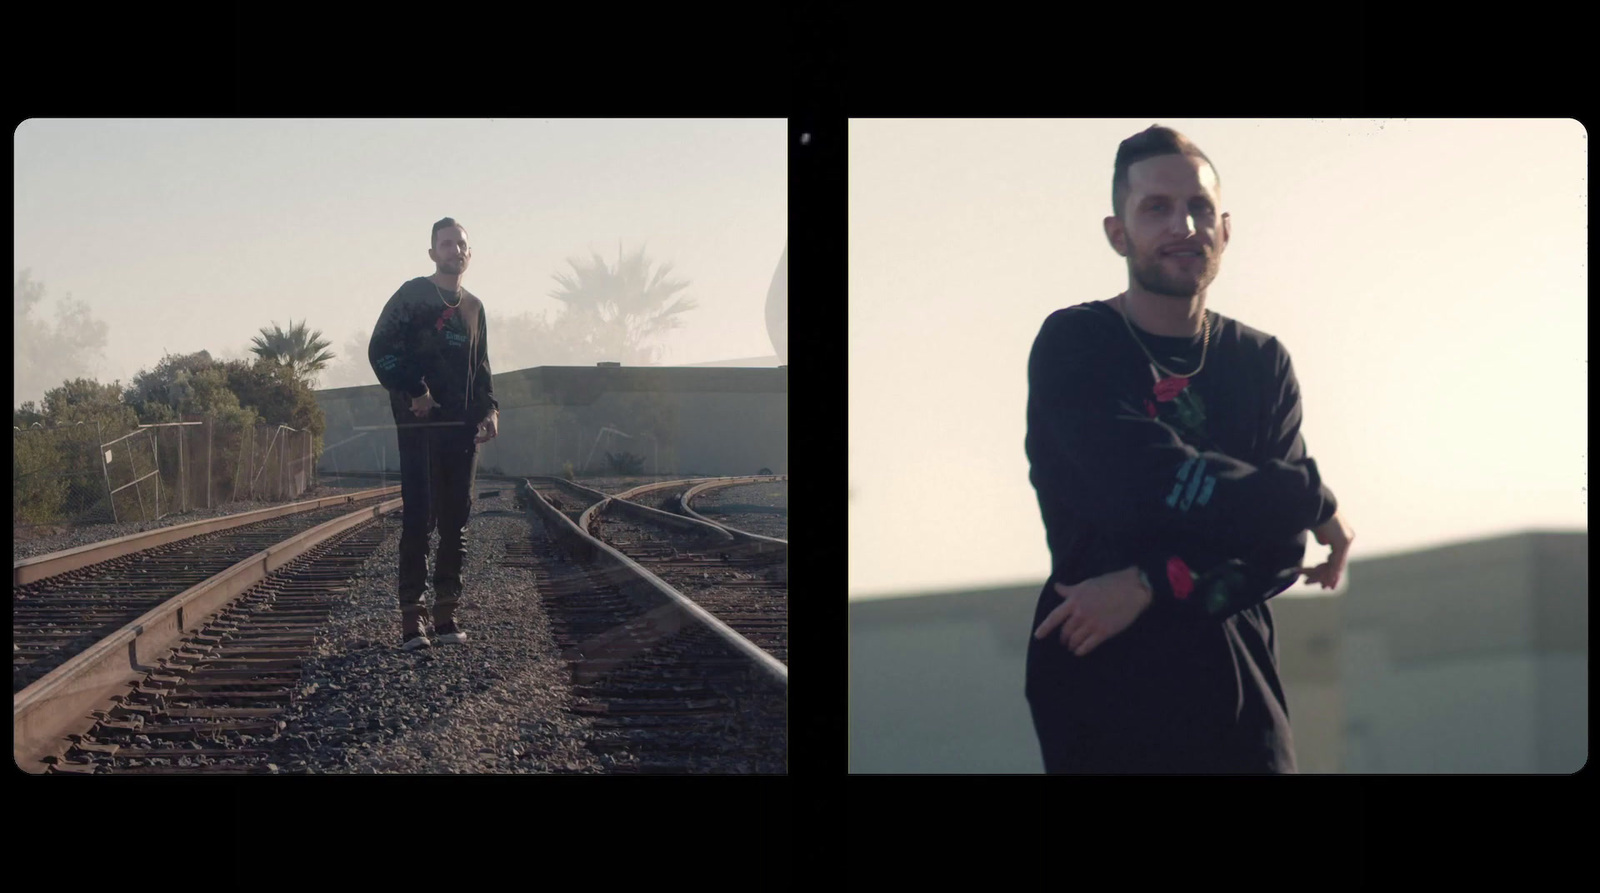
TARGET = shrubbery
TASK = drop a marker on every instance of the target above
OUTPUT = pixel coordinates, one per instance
(625, 463)
(57, 466)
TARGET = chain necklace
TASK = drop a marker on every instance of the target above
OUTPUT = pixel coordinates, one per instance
(441, 295)
(1206, 326)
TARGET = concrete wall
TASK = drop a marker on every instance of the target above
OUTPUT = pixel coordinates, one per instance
(936, 682)
(1470, 658)
(703, 421)
(1467, 658)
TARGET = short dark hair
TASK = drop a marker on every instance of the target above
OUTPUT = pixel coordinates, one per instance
(1151, 142)
(448, 221)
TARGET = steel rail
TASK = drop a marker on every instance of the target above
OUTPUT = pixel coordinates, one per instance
(30, 570)
(642, 489)
(653, 516)
(628, 574)
(692, 492)
(60, 702)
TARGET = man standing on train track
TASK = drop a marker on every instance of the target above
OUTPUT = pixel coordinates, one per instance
(1176, 492)
(430, 349)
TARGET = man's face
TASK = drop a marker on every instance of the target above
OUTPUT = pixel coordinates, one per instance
(1171, 209)
(450, 250)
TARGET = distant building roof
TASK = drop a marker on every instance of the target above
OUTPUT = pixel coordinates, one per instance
(747, 361)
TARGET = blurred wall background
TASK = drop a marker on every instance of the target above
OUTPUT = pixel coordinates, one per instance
(690, 420)
(1466, 658)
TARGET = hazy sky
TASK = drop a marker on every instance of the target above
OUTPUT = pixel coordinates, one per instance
(1427, 277)
(193, 234)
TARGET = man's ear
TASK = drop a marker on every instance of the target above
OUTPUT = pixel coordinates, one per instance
(1117, 235)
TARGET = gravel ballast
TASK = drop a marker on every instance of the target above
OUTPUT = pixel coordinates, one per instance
(496, 704)
(762, 509)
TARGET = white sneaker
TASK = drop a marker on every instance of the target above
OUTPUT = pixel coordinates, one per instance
(411, 641)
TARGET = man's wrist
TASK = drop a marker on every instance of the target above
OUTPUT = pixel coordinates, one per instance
(1149, 591)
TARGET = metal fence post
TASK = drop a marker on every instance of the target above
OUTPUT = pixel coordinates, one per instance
(183, 476)
(211, 424)
(134, 470)
(155, 453)
(100, 438)
(233, 494)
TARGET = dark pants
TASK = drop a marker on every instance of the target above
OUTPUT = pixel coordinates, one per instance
(438, 466)
(1159, 698)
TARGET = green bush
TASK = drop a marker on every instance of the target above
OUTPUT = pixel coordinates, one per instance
(58, 470)
(38, 492)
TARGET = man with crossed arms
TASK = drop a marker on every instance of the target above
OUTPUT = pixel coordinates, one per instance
(1165, 450)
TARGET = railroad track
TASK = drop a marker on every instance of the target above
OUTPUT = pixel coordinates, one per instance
(199, 683)
(654, 661)
(569, 499)
(740, 580)
(92, 591)
(743, 586)
(214, 705)
(662, 693)
(759, 508)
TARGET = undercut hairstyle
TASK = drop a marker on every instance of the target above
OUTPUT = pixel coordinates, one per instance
(1151, 142)
(448, 221)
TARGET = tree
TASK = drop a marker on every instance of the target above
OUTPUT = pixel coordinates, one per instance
(56, 465)
(186, 384)
(27, 415)
(85, 400)
(612, 312)
(295, 349)
(279, 397)
(46, 354)
(276, 394)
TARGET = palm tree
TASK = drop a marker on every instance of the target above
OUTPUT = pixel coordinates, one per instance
(295, 348)
(615, 310)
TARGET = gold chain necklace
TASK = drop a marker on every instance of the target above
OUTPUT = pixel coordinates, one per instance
(1206, 326)
(441, 295)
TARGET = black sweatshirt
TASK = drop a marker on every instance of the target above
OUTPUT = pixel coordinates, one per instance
(421, 344)
(1209, 490)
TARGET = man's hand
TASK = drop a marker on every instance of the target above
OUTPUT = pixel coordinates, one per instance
(421, 405)
(1338, 535)
(489, 428)
(1096, 609)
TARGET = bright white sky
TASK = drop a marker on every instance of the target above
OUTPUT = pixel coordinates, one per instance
(1427, 277)
(188, 234)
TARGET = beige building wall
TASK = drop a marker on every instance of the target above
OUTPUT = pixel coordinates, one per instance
(1470, 658)
(936, 682)
(688, 420)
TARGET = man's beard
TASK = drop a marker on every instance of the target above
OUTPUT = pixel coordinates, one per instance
(1154, 277)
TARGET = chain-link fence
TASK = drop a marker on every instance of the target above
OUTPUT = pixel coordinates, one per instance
(84, 474)
(273, 463)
